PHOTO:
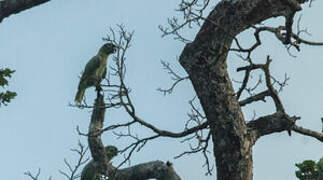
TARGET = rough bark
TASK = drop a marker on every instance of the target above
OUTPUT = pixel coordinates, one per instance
(205, 61)
(273, 123)
(95, 143)
(8, 7)
(155, 169)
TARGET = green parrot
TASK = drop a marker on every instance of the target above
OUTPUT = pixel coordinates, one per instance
(95, 70)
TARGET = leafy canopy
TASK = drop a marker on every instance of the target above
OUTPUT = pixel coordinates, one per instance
(5, 96)
(309, 170)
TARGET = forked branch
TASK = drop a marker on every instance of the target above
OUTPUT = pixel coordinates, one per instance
(156, 169)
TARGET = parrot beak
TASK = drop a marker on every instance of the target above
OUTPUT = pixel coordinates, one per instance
(115, 48)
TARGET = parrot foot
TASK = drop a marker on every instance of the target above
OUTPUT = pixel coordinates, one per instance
(98, 90)
(98, 87)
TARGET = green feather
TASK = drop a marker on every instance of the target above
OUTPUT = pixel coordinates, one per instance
(94, 71)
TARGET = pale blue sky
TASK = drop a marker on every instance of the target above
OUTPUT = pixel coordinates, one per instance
(49, 45)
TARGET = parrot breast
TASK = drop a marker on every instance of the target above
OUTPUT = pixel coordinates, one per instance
(100, 71)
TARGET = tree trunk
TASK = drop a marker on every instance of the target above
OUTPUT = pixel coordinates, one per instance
(205, 61)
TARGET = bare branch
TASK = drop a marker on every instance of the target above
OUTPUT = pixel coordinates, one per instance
(122, 95)
(273, 123)
(201, 147)
(281, 36)
(193, 14)
(258, 97)
(74, 171)
(308, 132)
(103, 165)
(8, 7)
(168, 133)
(174, 76)
(271, 90)
(244, 83)
(280, 84)
(33, 177)
(274, 94)
(137, 145)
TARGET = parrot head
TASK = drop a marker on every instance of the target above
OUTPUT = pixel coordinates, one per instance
(108, 48)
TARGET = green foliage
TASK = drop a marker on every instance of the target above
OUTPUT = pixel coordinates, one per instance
(309, 170)
(320, 168)
(5, 96)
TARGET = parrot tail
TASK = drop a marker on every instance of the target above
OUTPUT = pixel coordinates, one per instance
(79, 95)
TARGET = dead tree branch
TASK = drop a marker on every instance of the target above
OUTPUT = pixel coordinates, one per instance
(193, 14)
(8, 7)
(274, 123)
(271, 91)
(308, 132)
(33, 176)
(174, 76)
(279, 122)
(160, 169)
(73, 172)
(258, 97)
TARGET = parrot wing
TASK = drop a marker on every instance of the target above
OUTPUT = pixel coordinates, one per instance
(92, 65)
(104, 73)
(90, 69)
